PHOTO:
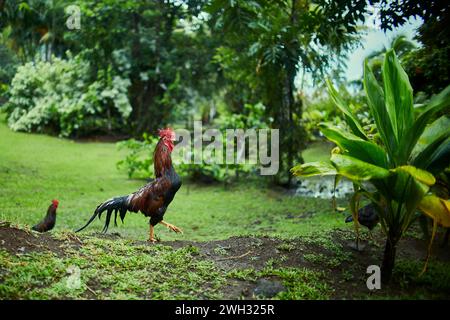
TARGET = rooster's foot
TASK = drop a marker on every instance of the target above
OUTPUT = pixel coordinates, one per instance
(175, 229)
(172, 227)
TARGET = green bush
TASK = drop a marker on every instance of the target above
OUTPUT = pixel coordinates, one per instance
(58, 97)
(139, 161)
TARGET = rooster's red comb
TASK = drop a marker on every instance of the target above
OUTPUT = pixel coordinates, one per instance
(167, 132)
(55, 202)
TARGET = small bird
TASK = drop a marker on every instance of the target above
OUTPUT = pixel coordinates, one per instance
(49, 221)
(152, 199)
(367, 216)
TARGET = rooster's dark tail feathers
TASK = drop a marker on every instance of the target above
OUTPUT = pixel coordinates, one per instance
(118, 204)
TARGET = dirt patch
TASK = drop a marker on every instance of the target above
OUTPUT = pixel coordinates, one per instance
(349, 278)
(19, 241)
(344, 268)
(248, 252)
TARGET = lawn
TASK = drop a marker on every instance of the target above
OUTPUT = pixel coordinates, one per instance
(233, 238)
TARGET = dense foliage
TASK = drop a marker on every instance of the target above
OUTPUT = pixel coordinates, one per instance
(141, 65)
(176, 57)
(266, 44)
(57, 97)
(156, 47)
(427, 66)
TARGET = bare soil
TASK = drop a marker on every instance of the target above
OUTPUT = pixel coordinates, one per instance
(19, 241)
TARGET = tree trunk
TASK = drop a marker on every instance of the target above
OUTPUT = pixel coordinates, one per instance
(388, 261)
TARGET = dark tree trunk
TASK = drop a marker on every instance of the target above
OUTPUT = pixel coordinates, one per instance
(388, 261)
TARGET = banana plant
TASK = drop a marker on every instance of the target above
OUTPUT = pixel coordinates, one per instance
(411, 147)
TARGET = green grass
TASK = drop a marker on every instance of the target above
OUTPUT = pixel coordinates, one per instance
(299, 283)
(115, 269)
(34, 169)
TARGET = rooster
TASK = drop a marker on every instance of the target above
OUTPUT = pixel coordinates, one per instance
(152, 199)
(49, 221)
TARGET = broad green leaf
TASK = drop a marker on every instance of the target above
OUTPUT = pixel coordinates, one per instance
(439, 159)
(431, 138)
(398, 95)
(408, 186)
(420, 175)
(351, 120)
(313, 169)
(438, 103)
(355, 147)
(375, 100)
(437, 209)
(357, 170)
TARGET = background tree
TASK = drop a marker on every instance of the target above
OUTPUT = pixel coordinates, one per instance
(428, 66)
(402, 47)
(160, 46)
(266, 43)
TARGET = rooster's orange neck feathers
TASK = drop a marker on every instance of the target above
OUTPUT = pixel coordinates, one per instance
(162, 159)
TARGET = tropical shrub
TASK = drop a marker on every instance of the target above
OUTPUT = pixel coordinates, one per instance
(401, 164)
(58, 97)
(138, 163)
(139, 160)
(321, 108)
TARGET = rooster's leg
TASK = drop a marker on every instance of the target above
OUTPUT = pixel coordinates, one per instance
(152, 235)
(171, 227)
